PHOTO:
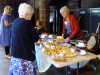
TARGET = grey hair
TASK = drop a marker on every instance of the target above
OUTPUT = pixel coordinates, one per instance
(64, 8)
(24, 9)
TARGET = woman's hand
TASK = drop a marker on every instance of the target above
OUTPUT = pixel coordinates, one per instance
(62, 35)
(7, 23)
(68, 39)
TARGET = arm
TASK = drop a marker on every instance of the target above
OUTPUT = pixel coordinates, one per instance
(75, 27)
(35, 35)
(7, 23)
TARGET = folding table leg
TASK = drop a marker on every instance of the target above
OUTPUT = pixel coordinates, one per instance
(77, 71)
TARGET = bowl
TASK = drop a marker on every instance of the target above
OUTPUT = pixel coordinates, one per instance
(42, 36)
(50, 36)
(81, 45)
(82, 52)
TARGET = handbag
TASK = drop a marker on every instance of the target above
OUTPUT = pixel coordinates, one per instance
(93, 43)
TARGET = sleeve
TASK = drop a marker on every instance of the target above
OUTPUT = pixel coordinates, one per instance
(8, 18)
(75, 27)
(35, 35)
(8, 21)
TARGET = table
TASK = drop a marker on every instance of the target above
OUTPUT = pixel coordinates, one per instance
(77, 59)
(44, 62)
(98, 56)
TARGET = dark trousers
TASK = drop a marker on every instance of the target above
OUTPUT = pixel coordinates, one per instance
(7, 50)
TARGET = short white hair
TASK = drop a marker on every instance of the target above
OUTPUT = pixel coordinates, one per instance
(24, 9)
(64, 8)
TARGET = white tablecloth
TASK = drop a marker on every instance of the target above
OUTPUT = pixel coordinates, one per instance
(42, 61)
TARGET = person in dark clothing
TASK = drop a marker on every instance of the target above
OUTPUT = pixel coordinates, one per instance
(22, 43)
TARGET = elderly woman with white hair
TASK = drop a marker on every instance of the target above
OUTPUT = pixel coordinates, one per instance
(71, 28)
(22, 43)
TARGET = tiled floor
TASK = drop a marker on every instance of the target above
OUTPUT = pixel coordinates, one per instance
(4, 62)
